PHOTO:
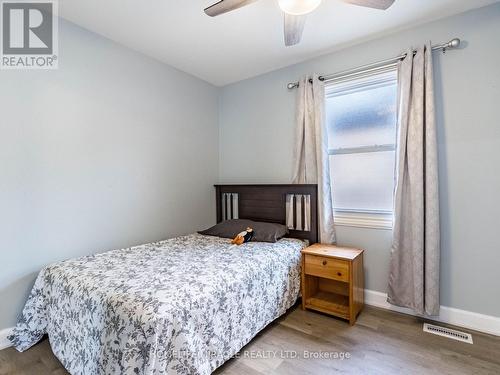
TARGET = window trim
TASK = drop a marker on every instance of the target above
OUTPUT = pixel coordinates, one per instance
(374, 78)
(363, 218)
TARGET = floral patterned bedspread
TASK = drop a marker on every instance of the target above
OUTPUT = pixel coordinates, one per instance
(179, 306)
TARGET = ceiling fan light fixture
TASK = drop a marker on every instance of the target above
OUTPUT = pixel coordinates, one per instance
(298, 7)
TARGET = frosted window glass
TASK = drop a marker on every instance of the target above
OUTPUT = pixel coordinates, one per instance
(364, 117)
(361, 114)
(362, 181)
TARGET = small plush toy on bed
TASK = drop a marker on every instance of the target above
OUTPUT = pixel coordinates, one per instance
(243, 237)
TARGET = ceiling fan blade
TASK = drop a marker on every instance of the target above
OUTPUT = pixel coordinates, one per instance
(377, 4)
(294, 26)
(225, 6)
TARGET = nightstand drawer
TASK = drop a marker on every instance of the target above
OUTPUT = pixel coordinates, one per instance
(330, 268)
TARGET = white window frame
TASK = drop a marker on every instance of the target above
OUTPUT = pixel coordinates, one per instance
(363, 218)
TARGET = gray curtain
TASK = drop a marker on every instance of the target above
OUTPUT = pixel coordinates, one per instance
(311, 164)
(414, 265)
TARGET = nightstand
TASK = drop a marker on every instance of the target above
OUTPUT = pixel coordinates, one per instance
(333, 280)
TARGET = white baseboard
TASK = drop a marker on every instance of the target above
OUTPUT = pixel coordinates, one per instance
(462, 318)
(4, 342)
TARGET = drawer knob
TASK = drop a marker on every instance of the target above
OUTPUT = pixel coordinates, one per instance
(339, 273)
(324, 262)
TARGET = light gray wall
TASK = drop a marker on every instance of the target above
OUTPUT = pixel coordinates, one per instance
(111, 150)
(256, 134)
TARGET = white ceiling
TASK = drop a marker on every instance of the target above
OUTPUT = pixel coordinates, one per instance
(246, 42)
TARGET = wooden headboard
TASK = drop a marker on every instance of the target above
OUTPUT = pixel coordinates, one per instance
(269, 203)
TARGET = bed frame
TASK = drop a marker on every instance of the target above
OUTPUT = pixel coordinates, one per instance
(273, 204)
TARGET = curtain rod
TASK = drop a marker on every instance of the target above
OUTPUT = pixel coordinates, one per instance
(454, 43)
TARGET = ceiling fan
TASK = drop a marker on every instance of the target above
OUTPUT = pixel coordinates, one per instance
(295, 12)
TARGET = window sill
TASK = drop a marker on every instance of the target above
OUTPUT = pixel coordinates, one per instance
(373, 220)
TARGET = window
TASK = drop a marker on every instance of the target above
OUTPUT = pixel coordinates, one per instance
(361, 122)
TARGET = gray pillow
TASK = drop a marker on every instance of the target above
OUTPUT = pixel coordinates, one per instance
(263, 232)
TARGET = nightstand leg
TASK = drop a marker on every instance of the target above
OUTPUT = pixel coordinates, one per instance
(303, 284)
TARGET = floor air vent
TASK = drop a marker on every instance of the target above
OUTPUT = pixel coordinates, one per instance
(447, 332)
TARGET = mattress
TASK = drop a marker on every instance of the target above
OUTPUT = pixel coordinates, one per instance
(179, 306)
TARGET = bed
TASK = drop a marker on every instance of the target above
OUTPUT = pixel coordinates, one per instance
(179, 306)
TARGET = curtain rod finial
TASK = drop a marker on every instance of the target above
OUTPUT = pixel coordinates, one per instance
(454, 43)
(292, 85)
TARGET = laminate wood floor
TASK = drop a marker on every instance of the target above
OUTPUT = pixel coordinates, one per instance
(381, 342)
